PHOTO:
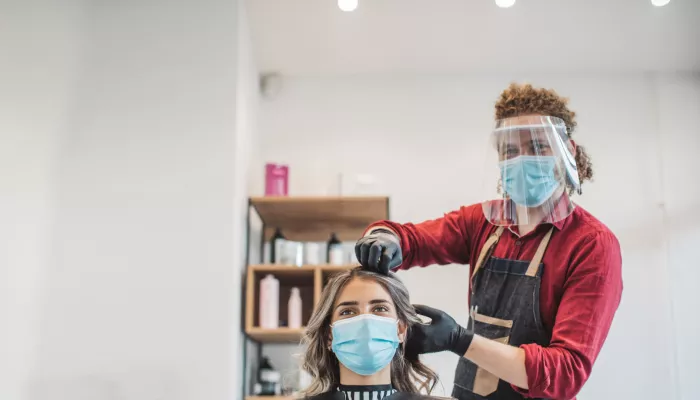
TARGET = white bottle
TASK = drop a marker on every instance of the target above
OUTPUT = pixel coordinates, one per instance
(294, 309)
(336, 255)
(312, 253)
(294, 253)
(350, 252)
(269, 302)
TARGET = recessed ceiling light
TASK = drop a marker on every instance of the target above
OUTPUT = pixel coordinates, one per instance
(347, 5)
(505, 3)
(660, 3)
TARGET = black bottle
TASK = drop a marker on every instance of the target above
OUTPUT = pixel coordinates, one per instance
(269, 379)
(276, 244)
(334, 252)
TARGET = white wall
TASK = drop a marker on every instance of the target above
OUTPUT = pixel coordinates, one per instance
(127, 135)
(33, 115)
(425, 139)
(246, 147)
(679, 99)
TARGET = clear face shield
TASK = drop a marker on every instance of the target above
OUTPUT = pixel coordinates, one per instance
(530, 169)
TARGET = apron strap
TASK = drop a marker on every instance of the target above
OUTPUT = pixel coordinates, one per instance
(487, 249)
(537, 259)
(493, 240)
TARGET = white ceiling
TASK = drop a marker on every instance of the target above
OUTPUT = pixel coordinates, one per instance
(310, 37)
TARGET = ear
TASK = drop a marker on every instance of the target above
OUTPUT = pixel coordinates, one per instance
(402, 328)
(573, 145)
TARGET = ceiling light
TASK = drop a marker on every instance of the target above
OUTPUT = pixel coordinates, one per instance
(660, 3)
(509, 3)
(347, 5)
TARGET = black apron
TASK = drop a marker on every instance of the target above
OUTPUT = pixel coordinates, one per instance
(505, 307)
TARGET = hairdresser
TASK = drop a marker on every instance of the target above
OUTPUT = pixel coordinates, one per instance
(545, 275)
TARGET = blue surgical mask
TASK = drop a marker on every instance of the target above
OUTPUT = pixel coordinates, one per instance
(365, 344)
(529, 180)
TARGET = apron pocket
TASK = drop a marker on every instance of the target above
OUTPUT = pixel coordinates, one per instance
(485, 320)
(485, 382)
(470, 377)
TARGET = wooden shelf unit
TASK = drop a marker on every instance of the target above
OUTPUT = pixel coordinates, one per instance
(303, 219)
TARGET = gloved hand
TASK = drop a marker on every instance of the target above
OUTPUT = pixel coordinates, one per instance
(379, 251)
(443, 333)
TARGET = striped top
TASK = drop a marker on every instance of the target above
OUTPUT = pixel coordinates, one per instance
(375, 392)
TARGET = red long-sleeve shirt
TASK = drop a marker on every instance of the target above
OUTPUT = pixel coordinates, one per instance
(580, 291)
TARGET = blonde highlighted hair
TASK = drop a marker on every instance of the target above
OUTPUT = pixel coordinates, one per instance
(408, 373)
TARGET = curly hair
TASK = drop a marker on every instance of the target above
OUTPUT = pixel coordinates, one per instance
(525, 99)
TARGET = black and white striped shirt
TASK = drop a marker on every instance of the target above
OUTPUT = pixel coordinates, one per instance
(375, 392)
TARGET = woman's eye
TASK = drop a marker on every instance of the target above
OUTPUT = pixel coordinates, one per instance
(381, 309)
(344, 313)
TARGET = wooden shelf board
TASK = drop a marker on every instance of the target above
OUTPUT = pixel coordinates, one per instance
(294, 274)
(283, 271)
(278, 335)
(315, 218)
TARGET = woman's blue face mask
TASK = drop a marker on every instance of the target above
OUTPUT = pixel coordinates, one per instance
(365, 344)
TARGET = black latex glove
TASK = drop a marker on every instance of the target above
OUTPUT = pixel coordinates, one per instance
(443, 333)
(379, 251)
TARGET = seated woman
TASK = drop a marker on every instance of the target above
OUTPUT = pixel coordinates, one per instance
(355, 341)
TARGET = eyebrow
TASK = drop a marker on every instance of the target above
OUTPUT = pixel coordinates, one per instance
(354, 303)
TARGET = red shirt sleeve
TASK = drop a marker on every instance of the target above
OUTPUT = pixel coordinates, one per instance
(440, 241)
(591, 295)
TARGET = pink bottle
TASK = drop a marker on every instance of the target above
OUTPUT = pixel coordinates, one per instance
(269, 302)
(294, 309)
(276, 180)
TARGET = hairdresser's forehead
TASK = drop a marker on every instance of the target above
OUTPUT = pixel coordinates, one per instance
(525, 119)
(362, 291)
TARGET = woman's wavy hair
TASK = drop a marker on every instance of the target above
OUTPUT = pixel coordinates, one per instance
(408, 373)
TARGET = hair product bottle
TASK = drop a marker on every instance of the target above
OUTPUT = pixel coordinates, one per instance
(277, 247)
(269, 379)
(294, 309)
(269, 302)
(335, 251)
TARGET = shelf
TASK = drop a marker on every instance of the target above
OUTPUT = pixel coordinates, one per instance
(302, 219)
(293, 269)
(287, 271)
(278, 335)
(313, 219)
